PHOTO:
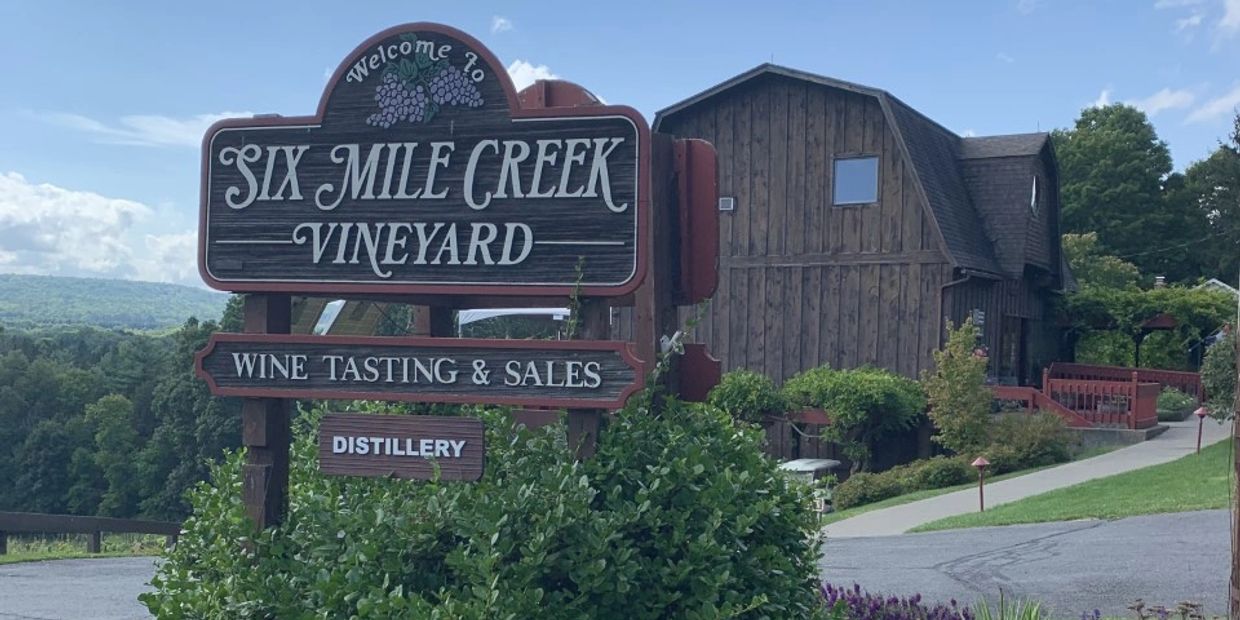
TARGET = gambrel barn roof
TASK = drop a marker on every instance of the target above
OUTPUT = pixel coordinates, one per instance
(980, 226)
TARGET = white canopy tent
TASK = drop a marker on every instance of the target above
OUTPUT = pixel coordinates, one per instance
(465, 317)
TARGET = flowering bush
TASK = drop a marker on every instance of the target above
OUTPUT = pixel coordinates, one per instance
(857, 604)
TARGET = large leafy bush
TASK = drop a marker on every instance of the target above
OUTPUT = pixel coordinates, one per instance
(678, 515)
(747, 396)
(1034, 440)
(959, 399)
(1218, 376)
(864, 405)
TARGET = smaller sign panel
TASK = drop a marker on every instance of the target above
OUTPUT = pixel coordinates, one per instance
(409, 447)
(544, 373)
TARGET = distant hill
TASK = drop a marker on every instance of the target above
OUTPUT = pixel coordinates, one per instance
(48, 301)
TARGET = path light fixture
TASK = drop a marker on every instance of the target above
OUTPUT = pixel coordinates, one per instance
(981, 463)
(1201, 414)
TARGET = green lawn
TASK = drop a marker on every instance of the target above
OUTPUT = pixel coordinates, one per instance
(67, 546)
(1189, 483)
(849, 513)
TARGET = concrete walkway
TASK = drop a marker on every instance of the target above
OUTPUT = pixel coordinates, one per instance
(1179, 440)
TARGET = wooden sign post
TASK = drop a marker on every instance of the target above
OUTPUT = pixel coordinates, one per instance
(425, 178)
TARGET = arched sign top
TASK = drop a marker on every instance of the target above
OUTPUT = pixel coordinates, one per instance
(421, 174)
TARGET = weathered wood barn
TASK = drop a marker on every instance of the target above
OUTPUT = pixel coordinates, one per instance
(853, 227)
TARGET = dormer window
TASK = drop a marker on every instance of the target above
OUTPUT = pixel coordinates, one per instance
(856, 180)
(1033, 197)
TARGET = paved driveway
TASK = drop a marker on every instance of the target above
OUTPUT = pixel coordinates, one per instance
(1073, 566)
(99, 589)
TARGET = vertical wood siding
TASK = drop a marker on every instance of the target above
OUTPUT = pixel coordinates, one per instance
(802, 282)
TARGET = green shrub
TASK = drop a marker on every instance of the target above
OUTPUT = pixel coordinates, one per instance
(960, 401)
(747, 396)
(1218, 376)
(678, 515)
(937, 473)
(1173, 405)
(1035, 440)
(866, 488)
(864, 404)
(1003, 459)
(933, 473)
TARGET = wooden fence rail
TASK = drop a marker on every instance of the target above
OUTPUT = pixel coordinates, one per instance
(1187, 382)
(1129, 404)
(37, 523)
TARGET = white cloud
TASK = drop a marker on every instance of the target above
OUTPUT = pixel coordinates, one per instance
(1172, 4)
(500, 23)
(525, 73)
(1192, 21)
(327, 73)
(1165, 99)
(1026, 7)
(169, 258)
(143, 129)
(1104, 99)
(1216, 108)
(1004, 57)
(1229, 24)
(45, 229)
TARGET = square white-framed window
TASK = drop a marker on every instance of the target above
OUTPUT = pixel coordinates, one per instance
(855, 180)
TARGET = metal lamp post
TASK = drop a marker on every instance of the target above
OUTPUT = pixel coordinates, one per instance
(980, 463)
(1201, 413)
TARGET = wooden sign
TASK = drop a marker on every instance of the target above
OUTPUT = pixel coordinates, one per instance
(421, 174)
(545, 373)
(400, 446)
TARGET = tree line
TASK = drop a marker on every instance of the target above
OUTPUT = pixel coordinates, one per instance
(107, 422)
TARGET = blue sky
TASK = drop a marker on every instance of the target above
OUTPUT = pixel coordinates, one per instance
(104, 104)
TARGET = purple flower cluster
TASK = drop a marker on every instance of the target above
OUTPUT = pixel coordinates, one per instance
(397, 103)
(858, 604)
(453, 87)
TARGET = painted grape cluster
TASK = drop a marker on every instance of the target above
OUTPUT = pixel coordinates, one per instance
(453, 87)
(415, 90)
(398, 103)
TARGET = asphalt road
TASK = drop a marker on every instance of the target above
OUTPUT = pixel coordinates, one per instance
(99, 589)
(1072, 567)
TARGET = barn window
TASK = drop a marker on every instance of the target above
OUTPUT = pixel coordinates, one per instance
(856, 180)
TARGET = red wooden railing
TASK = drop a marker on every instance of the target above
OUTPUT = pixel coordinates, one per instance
(1084, 403)
(1034, 400)
(1187, 382)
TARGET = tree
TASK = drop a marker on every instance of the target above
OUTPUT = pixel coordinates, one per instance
(1093, 267)
(116, 442)
(192, 429)
(1214, 184)
(1112, 169)
(959, 398)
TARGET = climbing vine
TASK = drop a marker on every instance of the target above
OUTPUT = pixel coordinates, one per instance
(1197, 312)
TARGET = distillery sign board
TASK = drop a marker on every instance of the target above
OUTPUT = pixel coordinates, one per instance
(411, 447)
(421, 174)
(547, 373)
